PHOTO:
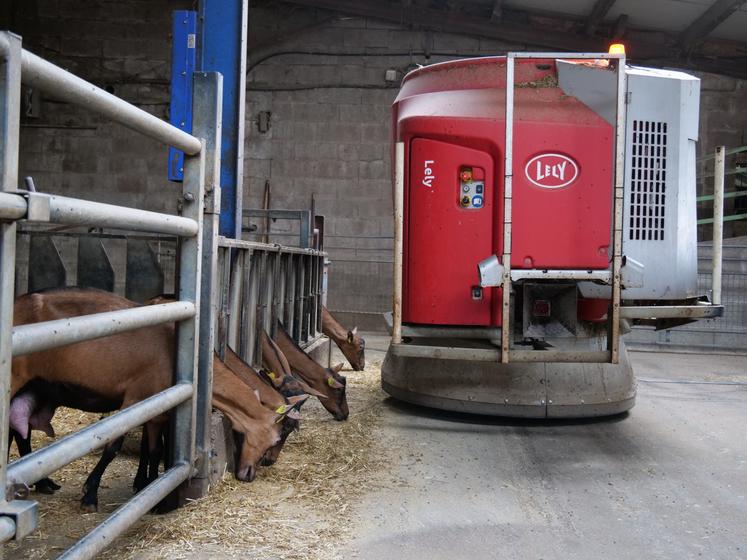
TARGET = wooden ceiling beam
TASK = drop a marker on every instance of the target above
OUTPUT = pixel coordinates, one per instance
(497, 10)
(709, 20)
(662, 48)
(620, 27)
(600, 9)
(460, 23)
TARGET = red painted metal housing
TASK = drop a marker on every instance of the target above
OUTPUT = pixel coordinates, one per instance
(451, 117)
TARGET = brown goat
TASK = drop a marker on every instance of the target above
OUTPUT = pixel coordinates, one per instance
(97, 375)
(351, 345)
(270, 397)
(111, 373)
(260, 426)
(326, 381)
(278, 371)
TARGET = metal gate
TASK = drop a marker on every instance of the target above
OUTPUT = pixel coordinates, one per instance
(189, 397)
(240, 287)
(720, 172)
(262, 284)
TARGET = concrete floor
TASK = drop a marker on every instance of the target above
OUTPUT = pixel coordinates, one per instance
(667, 480)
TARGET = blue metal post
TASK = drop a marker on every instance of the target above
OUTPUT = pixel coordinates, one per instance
(183, 51)
(222, 48)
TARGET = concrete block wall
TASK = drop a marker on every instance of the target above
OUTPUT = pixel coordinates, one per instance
(123, 47)
(723, 121)
(322, 80)
(723, 114)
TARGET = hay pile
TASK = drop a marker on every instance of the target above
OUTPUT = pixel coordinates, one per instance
(548, 81)
(299, 508)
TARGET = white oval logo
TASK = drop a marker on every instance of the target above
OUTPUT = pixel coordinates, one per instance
(551, 171)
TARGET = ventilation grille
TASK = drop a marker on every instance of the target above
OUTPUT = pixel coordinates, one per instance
(648, 180)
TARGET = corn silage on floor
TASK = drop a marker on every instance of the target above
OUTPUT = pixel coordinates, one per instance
(298, 508)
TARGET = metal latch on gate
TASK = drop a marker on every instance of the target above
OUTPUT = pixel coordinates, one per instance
(38, 207)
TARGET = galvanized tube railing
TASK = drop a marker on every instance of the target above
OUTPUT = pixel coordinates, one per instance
(269, 248)
(65, 86)
(53, 334)
(718, 221)
(10, 109)
(208, 94)
(70, 211)
(7, 529)
(47, 460)
(119, 521)
(188, 333)
(12, 206)
(5, 45)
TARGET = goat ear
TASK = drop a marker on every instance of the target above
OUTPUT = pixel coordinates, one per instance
(283, 409)
(270, 377)
(288, 411)
(297, 400)
(310, 390)
(332, 382)
(338, 367)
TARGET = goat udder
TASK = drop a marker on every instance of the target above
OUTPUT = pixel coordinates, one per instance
(21, 408)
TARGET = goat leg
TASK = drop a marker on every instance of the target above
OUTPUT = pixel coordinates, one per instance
(45, 485)
(151, 453)
(155, 449)
(141, 478)
(90, 500)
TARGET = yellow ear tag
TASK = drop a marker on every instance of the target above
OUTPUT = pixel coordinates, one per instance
(271, 375)
(331, 381)
(282, 409)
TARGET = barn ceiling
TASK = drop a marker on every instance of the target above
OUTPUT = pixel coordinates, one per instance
(708, 35)
(659, 15)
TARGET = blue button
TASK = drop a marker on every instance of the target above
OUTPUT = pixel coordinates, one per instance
(477, 201)
(478, 188)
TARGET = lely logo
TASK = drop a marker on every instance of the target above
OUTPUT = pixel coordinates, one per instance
(551, 171)
(428, 176)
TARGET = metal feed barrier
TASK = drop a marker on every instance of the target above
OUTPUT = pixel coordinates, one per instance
(267, 284)
(138, 266)
(189, 397)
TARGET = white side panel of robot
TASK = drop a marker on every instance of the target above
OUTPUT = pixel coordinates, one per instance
(660, 224)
